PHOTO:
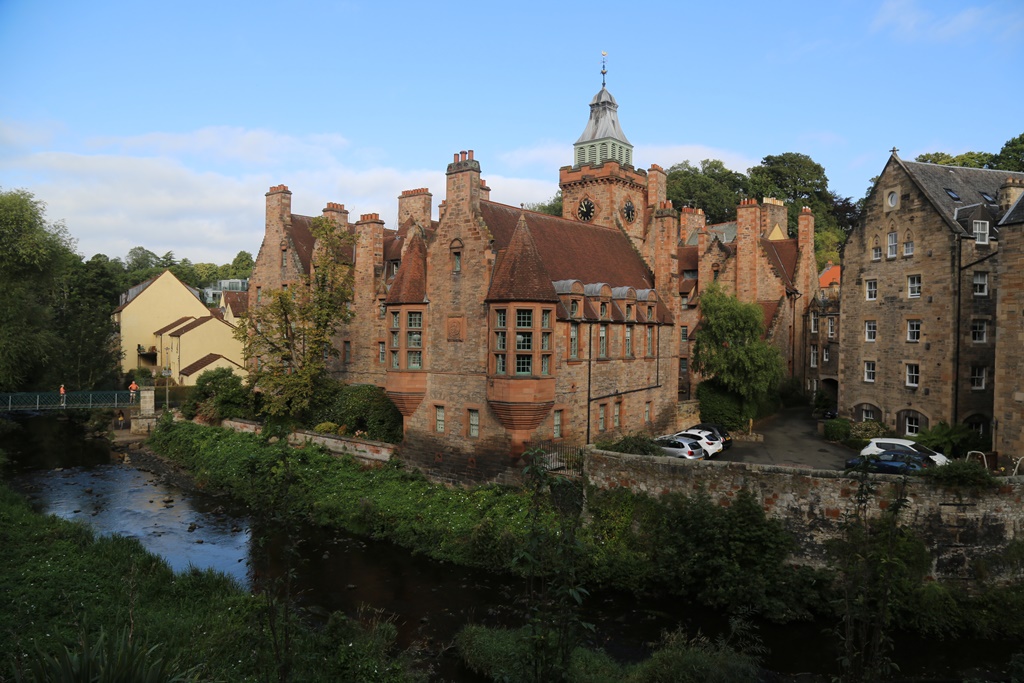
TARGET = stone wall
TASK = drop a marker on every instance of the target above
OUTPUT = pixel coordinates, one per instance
(376, 452)
(958, 527)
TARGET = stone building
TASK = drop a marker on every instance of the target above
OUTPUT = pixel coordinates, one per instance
(918, 299)
(1008, 410)
(822, 330)
(494, 327)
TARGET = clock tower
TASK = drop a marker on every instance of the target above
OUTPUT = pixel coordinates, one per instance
(602, 187)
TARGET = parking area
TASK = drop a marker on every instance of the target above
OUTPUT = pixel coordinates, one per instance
(790, 438)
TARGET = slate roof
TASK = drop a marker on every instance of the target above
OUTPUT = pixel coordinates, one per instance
(302, 238)
(1015, 214)
(689, 259)
(783, 257)
(604, 119)
(967, 183)
(572, 250)
(725, 232)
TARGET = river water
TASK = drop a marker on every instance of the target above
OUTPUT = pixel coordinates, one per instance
(74, 478)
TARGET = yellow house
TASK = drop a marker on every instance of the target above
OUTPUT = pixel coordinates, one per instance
(164, 326)
(233, 305)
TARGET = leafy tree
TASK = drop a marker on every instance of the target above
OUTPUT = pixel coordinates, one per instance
(287, 338)
(33, 256)
(729, 345)
(241, 266)
(950, 440)
(1011, 156)
(967, 159)
(551, 207)
(711, 187)
(217, 395)
(140, 258)
(206, 273)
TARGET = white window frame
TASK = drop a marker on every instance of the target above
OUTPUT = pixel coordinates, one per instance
(867, 414)
(913, 330)
(473, 419)
(556, 431)
(914, 287)
(825, 355)
(980, 284)
(814, 355)
(913, 426)
(871, 290)
(876, 253)
(913, 375)
(979, 331)
(869, 371)
(870, 330)
(831, 327)
(814, 322)
(980, 232)
(979, 374)
(892, 241)
(439, 419)
(908, 248)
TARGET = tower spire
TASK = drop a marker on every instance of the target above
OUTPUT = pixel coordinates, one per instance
(604, 69)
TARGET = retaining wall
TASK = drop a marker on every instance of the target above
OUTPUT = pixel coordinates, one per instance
(958, 526)
(376, 452)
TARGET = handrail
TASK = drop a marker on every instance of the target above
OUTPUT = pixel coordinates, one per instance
(52, 400)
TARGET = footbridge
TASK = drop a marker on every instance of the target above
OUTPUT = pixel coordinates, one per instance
(72, 400)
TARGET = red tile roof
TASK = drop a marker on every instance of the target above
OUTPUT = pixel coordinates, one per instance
(302, 238)
(830, 275)
(688, 259)
(572, 250)
(770, 309)
(519, 274)
(193, 325)
(410, 284)
(238, 302)
(782, 256)
(206, 360)
(176, 323)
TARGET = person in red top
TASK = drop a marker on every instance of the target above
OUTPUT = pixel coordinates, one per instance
(133, 387)
(63, 396)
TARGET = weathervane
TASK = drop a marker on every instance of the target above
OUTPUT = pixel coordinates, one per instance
(604, 70)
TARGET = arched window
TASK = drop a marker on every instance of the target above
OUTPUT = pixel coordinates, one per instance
(908, 244)
(876, 249)
(910, 423)
(867, 412)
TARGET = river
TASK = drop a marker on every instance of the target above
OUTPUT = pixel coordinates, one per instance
(74, 478)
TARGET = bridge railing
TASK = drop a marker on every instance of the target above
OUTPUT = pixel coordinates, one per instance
(72, 400)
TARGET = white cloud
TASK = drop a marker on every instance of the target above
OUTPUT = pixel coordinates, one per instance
(908, 20)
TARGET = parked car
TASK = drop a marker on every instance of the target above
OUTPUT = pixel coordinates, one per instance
(830, 414)
(681, 447)
(890, 462)
(882, 444)
(717, 430)
(708, 441)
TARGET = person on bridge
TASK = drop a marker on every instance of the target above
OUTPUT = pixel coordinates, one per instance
(63, 397)
(133, 387)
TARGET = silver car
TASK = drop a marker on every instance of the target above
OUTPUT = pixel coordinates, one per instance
(681, 447)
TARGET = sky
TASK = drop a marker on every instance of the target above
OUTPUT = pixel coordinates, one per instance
(163, 125)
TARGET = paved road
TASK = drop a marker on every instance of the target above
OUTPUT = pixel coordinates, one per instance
(790, 438)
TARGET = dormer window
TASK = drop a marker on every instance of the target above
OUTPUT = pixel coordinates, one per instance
(574, 308)
(604, 311)
(629, 312)
(981, 232)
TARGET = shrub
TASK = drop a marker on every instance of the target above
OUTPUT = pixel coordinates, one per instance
(837, 430)
(326, 428)
(217, 395)
(870, 429)
(720, 406)
(360, 408)
(961, 474)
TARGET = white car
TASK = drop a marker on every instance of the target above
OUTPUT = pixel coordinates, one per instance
(707, 440)
(680, 447)
(876, 446)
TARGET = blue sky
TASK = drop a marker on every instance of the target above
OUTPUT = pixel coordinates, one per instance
(163, 125)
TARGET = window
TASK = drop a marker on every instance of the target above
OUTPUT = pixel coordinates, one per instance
(870, 330)
(545, 364)
(867, 414)
(892, 239)
(524, 364)
(439, 419)
(629, 311)
(979, 331)
(259, 294)
(914, 286)
(601, 410)
(414, 339)
(456, 261)
(683, 332)
(871, 290)
(524, 317)
(981, 232)
(574, 308)
(913, 374)
(647, 411)
(545, 341)
(980, 283)
(604, 311)
(908, 244)
(381, 352)
(499, 364)
(869, 371)
(474, 423)
(346, 347)
(602, 337)
(978, 377)
(876, 253)
(395, 319)
(500, 340)
(394, 340)
(913, 425)
(913, 330)
(650, 340)
(831, 328)
(952, 195)
(557, 431)
(284, 258)
(415, 319)
(524, 341)
(629, 341)
(574, 340)
(814, 322)
(814, 355)
(545, 320)
(414, 360)
(616, 411)
(825, 354)
(394, 360)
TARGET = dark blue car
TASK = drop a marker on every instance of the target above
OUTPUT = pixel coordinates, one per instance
(888, 462)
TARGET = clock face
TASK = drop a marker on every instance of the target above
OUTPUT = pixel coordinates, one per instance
(585, 211)
(630, 211)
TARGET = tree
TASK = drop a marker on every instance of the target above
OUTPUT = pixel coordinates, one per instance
(241, 266)
(287, 338)
(729, 345)
(967, 159)
(552, 207)
(33, 256)
(1011, 156)
(712, 187)
(140, 258)
(206, 273)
